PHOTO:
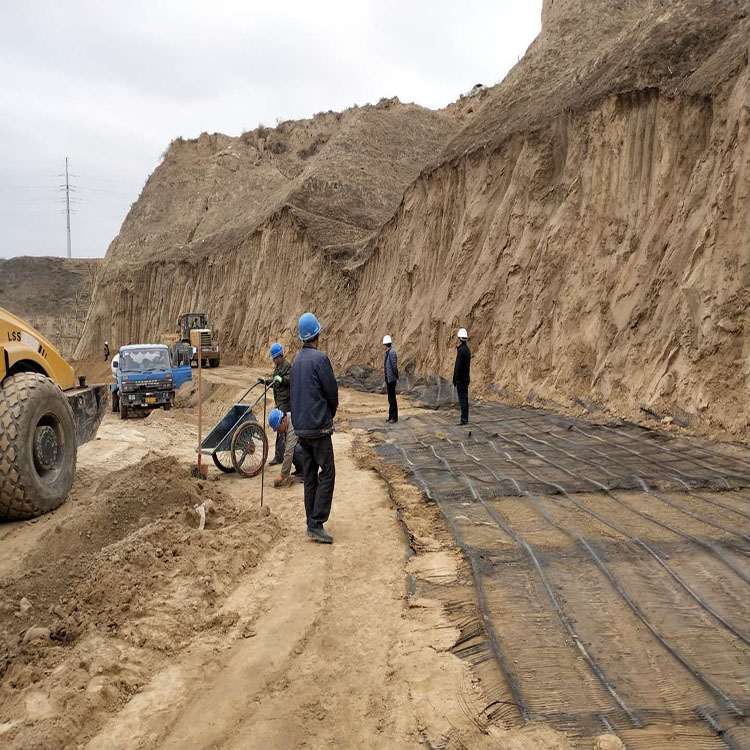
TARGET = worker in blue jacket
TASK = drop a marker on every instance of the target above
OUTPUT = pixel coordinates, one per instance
(390, 373)
(314, 401)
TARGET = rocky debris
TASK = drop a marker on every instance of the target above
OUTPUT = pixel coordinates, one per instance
(36, 633)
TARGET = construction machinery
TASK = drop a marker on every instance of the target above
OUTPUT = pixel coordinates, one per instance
(46, 412)
(193, 329)
(146, 379)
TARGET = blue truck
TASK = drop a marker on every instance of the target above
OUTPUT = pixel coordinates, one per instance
(146, 377)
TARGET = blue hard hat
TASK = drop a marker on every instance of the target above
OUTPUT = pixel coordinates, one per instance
(274, 419)
(308, 326)
(276, 350)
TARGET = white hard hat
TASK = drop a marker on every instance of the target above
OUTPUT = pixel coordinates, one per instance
(387, 339)
(462, 333)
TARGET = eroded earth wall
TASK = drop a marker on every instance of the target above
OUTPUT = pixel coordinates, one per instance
(52, 294)
(605, 257)
(587, 220)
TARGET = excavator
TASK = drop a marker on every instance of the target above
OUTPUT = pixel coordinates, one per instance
(46, 412)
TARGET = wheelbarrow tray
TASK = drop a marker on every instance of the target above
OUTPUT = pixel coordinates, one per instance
(220, 438)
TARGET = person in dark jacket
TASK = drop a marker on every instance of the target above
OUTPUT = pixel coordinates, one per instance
(106, 350)
(281, 385)
(314, 400)
(390, 368)
(461, 374)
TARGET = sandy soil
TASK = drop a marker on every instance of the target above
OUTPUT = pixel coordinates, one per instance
(124, 626)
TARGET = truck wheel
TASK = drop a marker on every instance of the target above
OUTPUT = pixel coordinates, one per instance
(123, 410)
(168, 406)
(37, 446)
(115, 402)
(214, 362)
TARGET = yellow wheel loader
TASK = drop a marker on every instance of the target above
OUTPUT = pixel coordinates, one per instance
(192, 328)
(46, 412)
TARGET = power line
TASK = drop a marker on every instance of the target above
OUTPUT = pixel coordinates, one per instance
(67, 202)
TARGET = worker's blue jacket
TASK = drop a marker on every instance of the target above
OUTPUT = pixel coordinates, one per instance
(390, 365)
(315, 393)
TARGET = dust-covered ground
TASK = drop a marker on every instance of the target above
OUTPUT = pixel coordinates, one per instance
(122, 625)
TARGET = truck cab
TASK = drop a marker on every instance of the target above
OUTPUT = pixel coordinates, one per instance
(145, 379)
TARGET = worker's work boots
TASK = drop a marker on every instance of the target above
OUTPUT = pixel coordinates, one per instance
(317, 534)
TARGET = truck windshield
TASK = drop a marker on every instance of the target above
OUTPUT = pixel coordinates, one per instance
(144, 360)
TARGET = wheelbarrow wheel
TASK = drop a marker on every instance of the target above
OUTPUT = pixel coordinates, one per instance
(223, 461)
(249, 449)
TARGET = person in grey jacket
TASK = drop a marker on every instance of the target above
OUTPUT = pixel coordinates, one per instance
(390, 368)
(281, 423)
(314, 400)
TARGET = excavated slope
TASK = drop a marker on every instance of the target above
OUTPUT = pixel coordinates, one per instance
(224, 224)
(53, 294)
(588, 224)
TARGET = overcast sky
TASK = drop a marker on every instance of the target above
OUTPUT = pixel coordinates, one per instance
(110, 84)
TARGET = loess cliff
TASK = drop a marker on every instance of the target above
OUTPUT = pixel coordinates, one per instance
(588, 220)
(52, 294)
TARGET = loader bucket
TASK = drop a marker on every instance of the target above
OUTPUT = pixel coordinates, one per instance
(89, 405)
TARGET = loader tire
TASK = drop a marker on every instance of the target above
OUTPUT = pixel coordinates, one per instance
(38, 446)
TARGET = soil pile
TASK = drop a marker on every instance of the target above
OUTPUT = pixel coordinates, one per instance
(52, 294)
(126, 573)
(586, 222)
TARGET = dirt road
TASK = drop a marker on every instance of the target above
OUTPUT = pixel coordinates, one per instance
(123, 626)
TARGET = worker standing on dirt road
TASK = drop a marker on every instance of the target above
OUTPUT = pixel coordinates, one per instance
(461, 374)
(281, 424)
(106, 351)
(390, 368)
(281, 384)
(315, 399)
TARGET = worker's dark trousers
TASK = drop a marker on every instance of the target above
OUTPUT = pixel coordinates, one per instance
(317, 456)
(280, 437)
(463, 399)
(392, 405)
(297, 462)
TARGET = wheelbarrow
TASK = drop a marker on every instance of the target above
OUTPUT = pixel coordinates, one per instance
(238, 443)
